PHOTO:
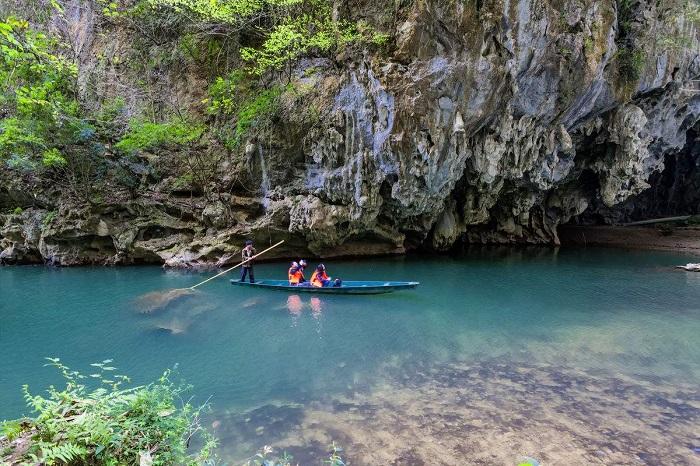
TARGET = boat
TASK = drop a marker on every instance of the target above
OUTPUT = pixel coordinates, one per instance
(348, 287)
(689, 267)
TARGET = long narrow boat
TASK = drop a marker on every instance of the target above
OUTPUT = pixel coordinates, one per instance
(348, 287)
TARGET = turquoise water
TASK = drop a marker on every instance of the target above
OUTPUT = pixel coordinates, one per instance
(285, 369)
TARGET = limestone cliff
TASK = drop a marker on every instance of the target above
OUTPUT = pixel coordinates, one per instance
(483, 121)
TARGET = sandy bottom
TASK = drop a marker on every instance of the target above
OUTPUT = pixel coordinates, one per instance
(492, 413)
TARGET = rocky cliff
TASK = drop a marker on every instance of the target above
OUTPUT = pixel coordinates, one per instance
(482, 121)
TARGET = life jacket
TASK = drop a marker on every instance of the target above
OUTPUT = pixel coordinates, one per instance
(318, 277)
(296, 276)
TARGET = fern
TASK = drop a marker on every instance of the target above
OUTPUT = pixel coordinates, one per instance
(11, 429)
(66, 452)
(107, 424)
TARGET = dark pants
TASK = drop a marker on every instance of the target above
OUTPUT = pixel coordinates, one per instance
(249, 271)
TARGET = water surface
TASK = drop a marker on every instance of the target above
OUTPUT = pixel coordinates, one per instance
(579, 356)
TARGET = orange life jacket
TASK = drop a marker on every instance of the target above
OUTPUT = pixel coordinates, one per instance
(296, 276)
(317, 278)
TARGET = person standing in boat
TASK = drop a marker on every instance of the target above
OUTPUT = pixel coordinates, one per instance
(247, 269)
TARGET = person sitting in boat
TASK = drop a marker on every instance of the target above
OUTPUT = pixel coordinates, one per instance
(292, 269)
(302, 267)
(296, 273)
(320, 278)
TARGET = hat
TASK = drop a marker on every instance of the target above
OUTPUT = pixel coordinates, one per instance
(248, 242)
(321, 267)
(302, 263)
(294, 264)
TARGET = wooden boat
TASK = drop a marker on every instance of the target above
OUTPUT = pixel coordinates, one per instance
(348, 287)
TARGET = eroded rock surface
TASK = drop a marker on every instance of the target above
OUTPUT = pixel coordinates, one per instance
(490, 121)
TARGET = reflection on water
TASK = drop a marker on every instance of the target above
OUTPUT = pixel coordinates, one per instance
(576, 357)
(296, 306)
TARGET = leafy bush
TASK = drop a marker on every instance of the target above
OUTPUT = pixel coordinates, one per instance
(225, 93)
(146, 135)
(37, 94)
(289, 28)
(630, 64)
(108, 425)
(48, 218)
(53, 158)
(230, 96)
(252, 112)
(630, 57)
(111, 425)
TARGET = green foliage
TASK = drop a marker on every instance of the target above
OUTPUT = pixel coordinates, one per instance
(299, 34)
(109, 425)
(226, 92)
(630, 57)
(11, 429)
(692, 12)
(682, 38)
(255, 111)
(289, 28)
(630, 64)
(37, 97)
(53, 158)
(147, 136)
(18, 211)
(48, 218)
(227, 12)
(183, 182)
(109, 8)
(335, 459)
(232, 96)
(110, 119)
(266, 457)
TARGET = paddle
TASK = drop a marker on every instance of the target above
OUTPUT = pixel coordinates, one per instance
(158, 299)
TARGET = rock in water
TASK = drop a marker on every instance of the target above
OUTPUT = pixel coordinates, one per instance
(159, 300)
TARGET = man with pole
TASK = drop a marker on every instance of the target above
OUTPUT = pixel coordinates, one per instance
(247, 253)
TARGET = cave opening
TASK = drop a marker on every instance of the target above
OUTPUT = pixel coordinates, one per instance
(674, 191)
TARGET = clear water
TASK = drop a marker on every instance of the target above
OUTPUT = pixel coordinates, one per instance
(286, 370)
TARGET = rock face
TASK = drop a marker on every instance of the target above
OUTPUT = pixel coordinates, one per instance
(490, 121)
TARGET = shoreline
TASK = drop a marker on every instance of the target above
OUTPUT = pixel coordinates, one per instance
(684, 240)
(678, 239)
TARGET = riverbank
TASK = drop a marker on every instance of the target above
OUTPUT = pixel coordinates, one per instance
(678, 239)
